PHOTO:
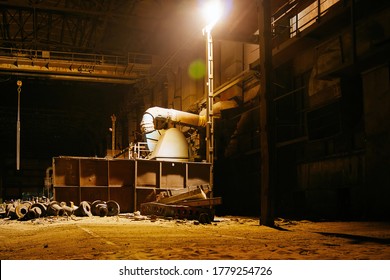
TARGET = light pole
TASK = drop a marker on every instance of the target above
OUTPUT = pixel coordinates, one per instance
(210, 98)
(212, 12)
(19, 84)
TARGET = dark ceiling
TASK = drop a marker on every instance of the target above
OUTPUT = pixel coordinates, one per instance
(116, 26)
(113, 31)
(64, 117)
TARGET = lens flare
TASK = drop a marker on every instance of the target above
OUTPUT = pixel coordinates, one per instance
(197, 69)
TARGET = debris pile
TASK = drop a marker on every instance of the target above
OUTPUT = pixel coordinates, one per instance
(28, 210)
(189, 203)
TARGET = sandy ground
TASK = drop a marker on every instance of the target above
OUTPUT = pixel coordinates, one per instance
(126, 237)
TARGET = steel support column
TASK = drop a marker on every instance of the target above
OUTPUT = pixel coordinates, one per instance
(266, 120)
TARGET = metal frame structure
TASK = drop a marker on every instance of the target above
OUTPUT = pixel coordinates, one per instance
(76, 40)
(128, 69)
(66, 25)
(130, 182)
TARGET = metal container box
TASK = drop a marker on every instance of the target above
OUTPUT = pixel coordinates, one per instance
(129, 182)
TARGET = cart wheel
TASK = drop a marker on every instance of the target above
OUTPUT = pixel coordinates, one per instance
(204, 218)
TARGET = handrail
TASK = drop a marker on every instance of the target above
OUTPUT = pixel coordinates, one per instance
(96, 59)
(301, 16)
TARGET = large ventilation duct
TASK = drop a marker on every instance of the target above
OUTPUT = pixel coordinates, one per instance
(153, 135)
(223, 105)
(173, 143)
(189, 119)
(147, 123)
(172, 146)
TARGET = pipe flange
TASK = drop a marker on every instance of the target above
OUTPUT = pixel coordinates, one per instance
(94, 207)
(11, 211)
(99, 208)
(84, 209)
(102, 210)
(22, 209)
(113, 208)
(40, 206)
(55, 209)
(33, 213)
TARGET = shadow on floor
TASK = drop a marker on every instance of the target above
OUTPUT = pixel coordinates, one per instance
(357, 239)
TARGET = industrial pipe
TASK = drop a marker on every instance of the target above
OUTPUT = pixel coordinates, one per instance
(154, 113)
(176, 116)
(223, 105)
(48, 180)
(68, 209)
(41, 206)
(99, 208)
(11, 211)
(33, 213)
(84, 209)
(147, 123)
(3, 208)
(22, 209)
(55, 209)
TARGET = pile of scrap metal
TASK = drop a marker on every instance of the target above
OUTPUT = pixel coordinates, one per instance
(190, 203)
(28, 210)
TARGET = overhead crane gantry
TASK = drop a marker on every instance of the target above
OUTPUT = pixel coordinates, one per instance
(68, 40)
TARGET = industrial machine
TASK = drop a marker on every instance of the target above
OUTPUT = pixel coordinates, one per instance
(158, 176)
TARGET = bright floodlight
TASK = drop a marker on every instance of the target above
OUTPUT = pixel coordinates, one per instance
(212, 12)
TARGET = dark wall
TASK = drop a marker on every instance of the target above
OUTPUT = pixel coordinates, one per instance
(57, 118)
(376, 84)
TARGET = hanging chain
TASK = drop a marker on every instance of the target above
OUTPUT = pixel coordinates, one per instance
(19, 84)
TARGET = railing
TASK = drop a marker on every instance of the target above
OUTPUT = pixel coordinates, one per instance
(93, 59)
(138, 150)
(298, 15)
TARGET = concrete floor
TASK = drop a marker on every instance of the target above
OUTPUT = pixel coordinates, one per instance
(126, 237)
